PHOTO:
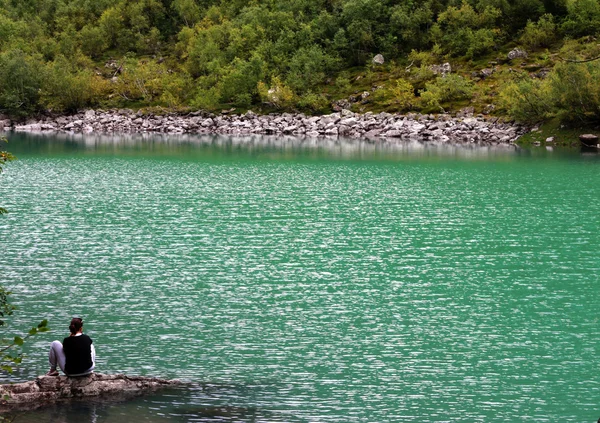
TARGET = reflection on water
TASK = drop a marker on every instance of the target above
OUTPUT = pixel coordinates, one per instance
(351, 282)
(202, 404)
(271, 146)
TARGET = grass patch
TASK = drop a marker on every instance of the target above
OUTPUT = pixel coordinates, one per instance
(562, 136)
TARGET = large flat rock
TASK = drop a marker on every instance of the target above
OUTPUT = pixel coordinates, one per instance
(48, 389)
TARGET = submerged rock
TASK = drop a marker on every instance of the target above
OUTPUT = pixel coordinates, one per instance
(47, 389)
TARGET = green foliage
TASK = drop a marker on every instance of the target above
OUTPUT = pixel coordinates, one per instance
(465, 31)
(10, 355)
(20, 83)
(365, 23)
(277, 94)
(522, 11)
(403, 94)
(452, 87)
(206, 98)
(151, 82)
(421, 74)
(5, 308)
(52, 52)
(398, 94)
(526, 99)
(571, 93)
(342, 83)
(312, 102)
(575, 92)
(187, 10)
(308, 68)
(411, 21)
(239, 85)
(111, 24)
(583, 17)
(422, 58)
(541, 33)
(68, 89)
(93, 41)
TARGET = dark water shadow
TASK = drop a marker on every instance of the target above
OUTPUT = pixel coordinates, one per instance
(202, 403)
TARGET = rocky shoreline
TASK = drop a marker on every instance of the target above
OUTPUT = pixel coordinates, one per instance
(459, 129)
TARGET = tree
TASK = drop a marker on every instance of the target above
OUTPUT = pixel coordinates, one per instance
(466, 31)
(583, 17)
(309, 67)
(526, 99)
(188, 11)
(20, 83)
(540, 34)
(575, 92)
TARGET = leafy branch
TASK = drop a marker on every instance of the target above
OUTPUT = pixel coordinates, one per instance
(580, 61)
(6, 355)
(5, 157)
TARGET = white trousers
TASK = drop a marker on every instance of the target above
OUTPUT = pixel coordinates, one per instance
(56, 357)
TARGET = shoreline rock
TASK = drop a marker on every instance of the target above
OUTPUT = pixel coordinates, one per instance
(50, 389)
(445, 128)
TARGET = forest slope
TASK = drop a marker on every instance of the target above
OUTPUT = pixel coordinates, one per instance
(305, 55)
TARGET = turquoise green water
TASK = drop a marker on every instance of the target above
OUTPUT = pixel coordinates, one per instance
(293, 283)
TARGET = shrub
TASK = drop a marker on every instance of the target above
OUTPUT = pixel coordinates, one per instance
(466, 31)
(239, 85)
(343, 83)
(539, 34)
(68, 90)
(421, 58)
(312, 102)
(575, 91)
(93, 42)
(571, 92)
(526, 99)
(277, 94)
(308, 68)
(403, 94)
(153, 83)
(583, 17)
(21, 78)
(444, 89)
(206, 99)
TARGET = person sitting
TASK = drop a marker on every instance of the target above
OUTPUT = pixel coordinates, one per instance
(76, 355)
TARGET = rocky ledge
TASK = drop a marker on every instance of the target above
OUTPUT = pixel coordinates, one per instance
(442, 128)
(48, 389)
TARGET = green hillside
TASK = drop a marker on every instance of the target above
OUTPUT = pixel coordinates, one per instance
(303, 55)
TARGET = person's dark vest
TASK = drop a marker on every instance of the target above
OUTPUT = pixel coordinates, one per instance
(78, 354)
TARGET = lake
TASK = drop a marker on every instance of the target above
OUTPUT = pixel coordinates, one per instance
(311, 281)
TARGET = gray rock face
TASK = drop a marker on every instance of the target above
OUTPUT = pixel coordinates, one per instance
(378, 59)
(589, 139)
(517, 53)
(48, 389)
(442, 69)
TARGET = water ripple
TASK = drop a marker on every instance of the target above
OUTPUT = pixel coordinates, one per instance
(317, 290)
